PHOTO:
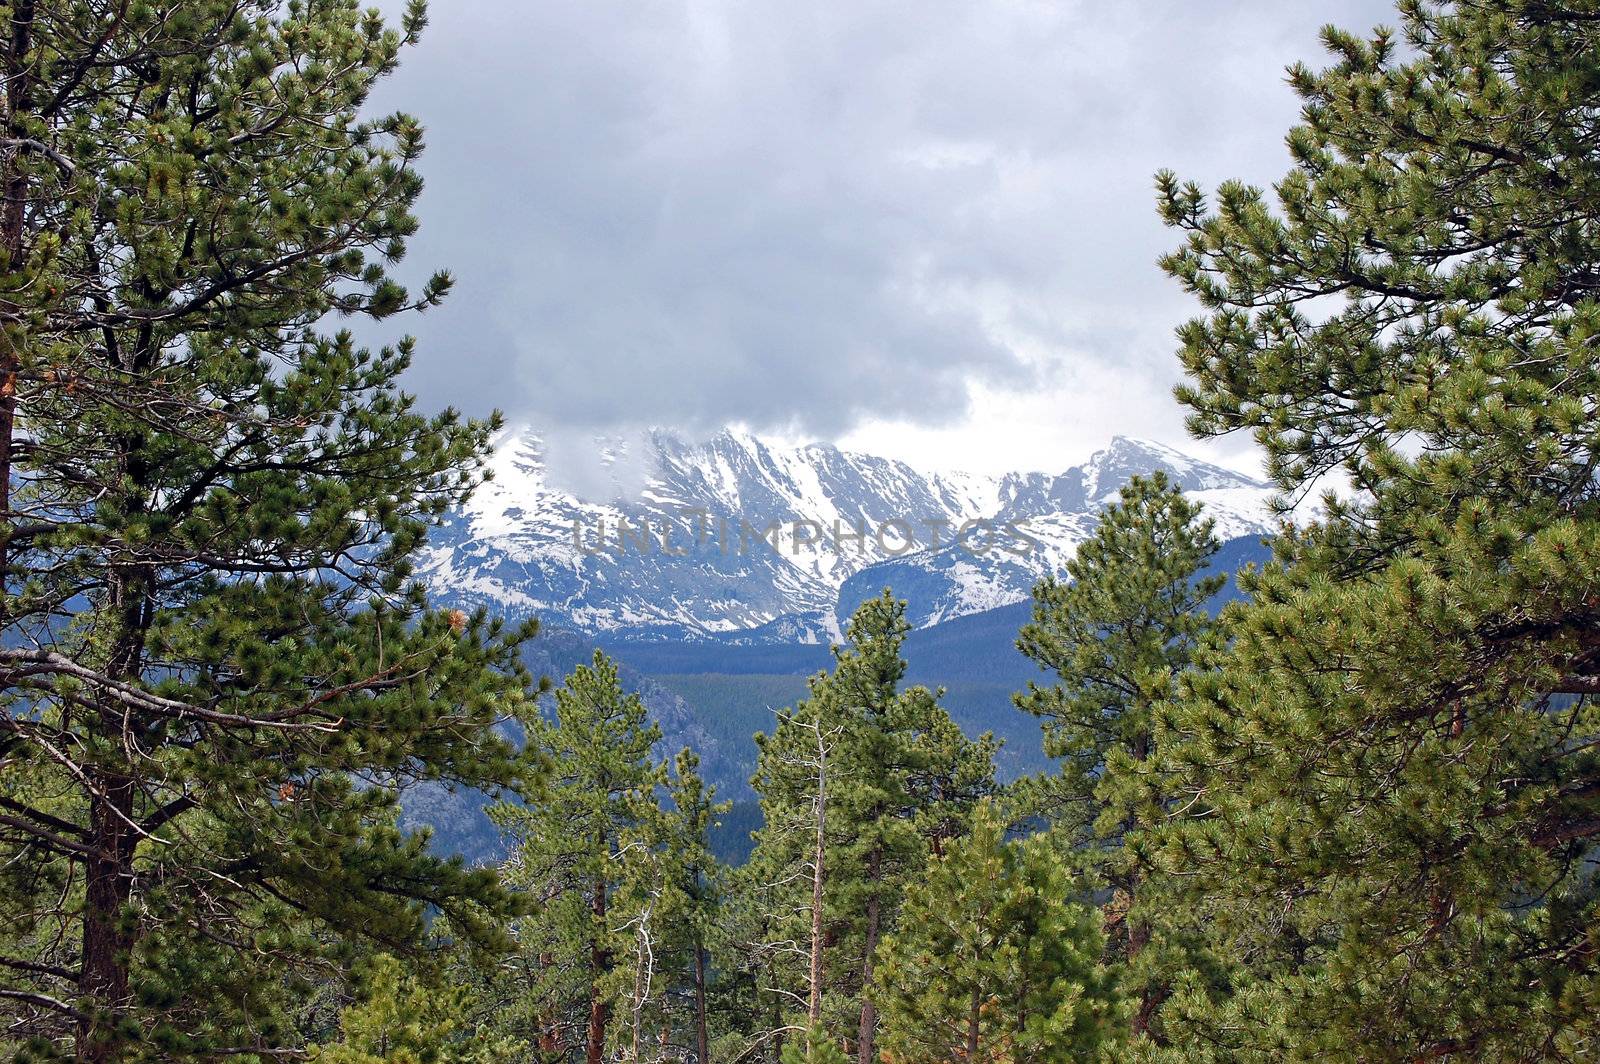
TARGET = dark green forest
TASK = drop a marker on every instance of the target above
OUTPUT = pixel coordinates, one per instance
(1339, 805)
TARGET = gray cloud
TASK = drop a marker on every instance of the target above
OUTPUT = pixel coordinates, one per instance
(812, 216)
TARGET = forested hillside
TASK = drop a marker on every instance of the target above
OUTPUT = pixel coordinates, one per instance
(267, 794)
(713, 696)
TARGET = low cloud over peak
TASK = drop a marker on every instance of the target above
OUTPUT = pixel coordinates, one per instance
(827, 217)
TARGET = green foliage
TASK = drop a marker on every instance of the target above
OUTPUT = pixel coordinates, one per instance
(898, 780)
(624, 888)
(218, 673)
(1392, 772)
(401, 1020)
(814, 1048)
(730, 707)
(1115, 631)
(993, 962)
(598, 798)
(1353, 820)
(666, 905)
(1119, 632)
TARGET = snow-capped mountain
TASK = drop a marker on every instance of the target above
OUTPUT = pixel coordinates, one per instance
(742, 539)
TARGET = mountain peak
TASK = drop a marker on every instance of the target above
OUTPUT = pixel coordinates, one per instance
(1120, 442)
(735, 437)
(1127, 456)
(723, 537)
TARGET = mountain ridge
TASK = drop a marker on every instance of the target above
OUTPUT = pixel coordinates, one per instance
(743, 539)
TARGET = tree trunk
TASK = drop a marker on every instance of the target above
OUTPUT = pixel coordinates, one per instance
(814, 1004)
(701, 1039)
(865, 1051)
(19, 84)
(108, 940)
(599, 962)
(550, 1047)
(1139, 931)
(1150, 997)
(974, 1014)
(638, 1009)
(1139, 934)
(107, 885)
(777, 1021)
(19, 88)
(642, 972)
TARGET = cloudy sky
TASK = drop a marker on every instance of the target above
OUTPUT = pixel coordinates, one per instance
(924, 228)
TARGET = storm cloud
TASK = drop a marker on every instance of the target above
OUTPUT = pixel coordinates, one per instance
(859, 219)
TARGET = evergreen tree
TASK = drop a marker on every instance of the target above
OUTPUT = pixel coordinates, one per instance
(857, 784)
(813, 1047)
(215, 669)
(1398, 757)
(695, 814)
(1117, 631)
(992, 962)
(664, 907)
(598, 801)
(400, 1019)
(755, 962)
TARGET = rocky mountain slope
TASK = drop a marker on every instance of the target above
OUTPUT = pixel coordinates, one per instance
(739, 539)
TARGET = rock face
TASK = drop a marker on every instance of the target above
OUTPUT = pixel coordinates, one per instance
(741, 540)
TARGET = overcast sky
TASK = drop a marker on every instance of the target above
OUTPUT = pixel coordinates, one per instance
(922, 228)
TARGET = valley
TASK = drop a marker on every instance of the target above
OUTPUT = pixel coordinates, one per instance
(711, 684)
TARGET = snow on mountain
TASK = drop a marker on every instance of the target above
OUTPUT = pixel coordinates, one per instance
(742, 539)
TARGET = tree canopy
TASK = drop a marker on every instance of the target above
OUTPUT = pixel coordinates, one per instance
(1396, 755)
(217, 672)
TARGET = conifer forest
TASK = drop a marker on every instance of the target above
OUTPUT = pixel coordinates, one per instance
(1339, 801)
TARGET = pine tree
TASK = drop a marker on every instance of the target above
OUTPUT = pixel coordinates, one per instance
(813, 1047)
(598, 801)
(695, 814)
(216, 670)
(400, 1019)
(757, 964)
(664, 908)
(778, 942)
(858, 783)
(993, 962)
(1117, 632)
(1398, 757)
